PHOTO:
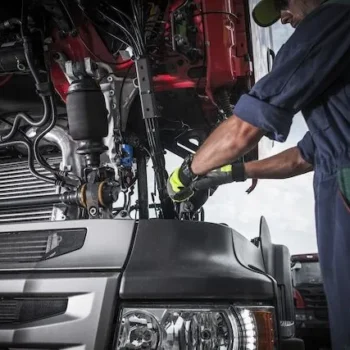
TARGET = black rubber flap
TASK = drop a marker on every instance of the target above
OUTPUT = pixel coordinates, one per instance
(189, 260)
(32, 246)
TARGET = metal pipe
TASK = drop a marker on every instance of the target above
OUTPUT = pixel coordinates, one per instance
(142, 186)
(66, 198)
(28, 202)
(60, 137)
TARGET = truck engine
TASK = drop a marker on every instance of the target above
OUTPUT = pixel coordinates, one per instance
(93, 90)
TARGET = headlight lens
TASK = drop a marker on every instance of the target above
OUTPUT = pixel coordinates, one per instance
(189, 328)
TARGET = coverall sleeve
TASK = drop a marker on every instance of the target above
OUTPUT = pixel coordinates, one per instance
(307, 148)
(306, 66)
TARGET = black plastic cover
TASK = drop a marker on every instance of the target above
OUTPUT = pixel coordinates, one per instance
(189, 260)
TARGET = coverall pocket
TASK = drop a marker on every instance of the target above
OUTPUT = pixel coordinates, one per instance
(343, 178)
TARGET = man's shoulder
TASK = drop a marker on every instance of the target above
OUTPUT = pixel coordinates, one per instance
(323, 17)
(328, 19)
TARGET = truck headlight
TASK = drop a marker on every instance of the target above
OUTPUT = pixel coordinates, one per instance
(196, 328)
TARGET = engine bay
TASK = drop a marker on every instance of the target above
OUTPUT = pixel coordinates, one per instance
(93, 91)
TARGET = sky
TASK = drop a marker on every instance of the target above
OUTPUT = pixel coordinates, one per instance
(287, 205)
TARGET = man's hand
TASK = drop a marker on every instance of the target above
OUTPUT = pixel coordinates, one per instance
(286, 164)
(183, 184)
(180, 181)
(224, 175)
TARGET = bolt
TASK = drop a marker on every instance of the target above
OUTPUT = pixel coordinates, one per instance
(114, 106)
(21, 66)
(111, 92)
(110, 79)
(74, 33)
(123, 214)
(93, 211)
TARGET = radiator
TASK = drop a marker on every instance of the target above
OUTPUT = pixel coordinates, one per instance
(16, 181)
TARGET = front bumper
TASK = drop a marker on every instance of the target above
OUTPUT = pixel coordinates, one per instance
(57, 292)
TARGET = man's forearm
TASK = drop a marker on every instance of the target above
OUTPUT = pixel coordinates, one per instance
(281, 166)
(230, 141)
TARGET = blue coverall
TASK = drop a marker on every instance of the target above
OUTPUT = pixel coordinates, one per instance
(311, 74)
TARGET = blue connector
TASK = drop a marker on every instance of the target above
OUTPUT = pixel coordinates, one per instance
(128, 155)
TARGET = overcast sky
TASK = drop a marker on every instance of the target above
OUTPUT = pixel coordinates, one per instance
(288, 205)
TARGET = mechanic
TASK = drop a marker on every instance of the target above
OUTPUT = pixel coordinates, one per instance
(311, 74)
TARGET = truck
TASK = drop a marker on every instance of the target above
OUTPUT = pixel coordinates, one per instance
(311, 312)
(91, 93)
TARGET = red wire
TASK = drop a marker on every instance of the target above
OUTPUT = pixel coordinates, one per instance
(5, 79)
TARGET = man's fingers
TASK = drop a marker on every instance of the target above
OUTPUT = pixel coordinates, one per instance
(213, 180)
(183, 195)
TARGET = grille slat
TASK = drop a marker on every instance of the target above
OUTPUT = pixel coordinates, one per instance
(28, 194)
(26, 186)
(22, 310)
(17, 182)
(23, 247)
(27, 179)
(10, 215)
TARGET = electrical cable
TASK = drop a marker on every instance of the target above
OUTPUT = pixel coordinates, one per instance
(137, 31)
(121, 91)
(137, 23)
(53, 111)
(105, 31)
(120, 12)
(68, 14)
(24, 116)
(4, 140)
(37, 140)
(100, 28)
(136, 45)
(9, 114)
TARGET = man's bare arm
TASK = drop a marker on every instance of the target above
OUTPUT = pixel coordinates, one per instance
(281, 166)
(230, 141)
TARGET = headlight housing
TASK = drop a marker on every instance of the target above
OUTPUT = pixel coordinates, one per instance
(196, 328)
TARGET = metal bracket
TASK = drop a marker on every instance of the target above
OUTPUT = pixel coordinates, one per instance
(144, 77)
(75, 70)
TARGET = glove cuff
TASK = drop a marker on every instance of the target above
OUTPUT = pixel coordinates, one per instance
(186, 174)
(238, 172)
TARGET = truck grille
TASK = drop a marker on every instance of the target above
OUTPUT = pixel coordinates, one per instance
(315, 299)
(34, 246)
(23, 310)
(16, 181)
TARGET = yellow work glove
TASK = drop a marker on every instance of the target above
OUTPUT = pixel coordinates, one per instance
(180, 181)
